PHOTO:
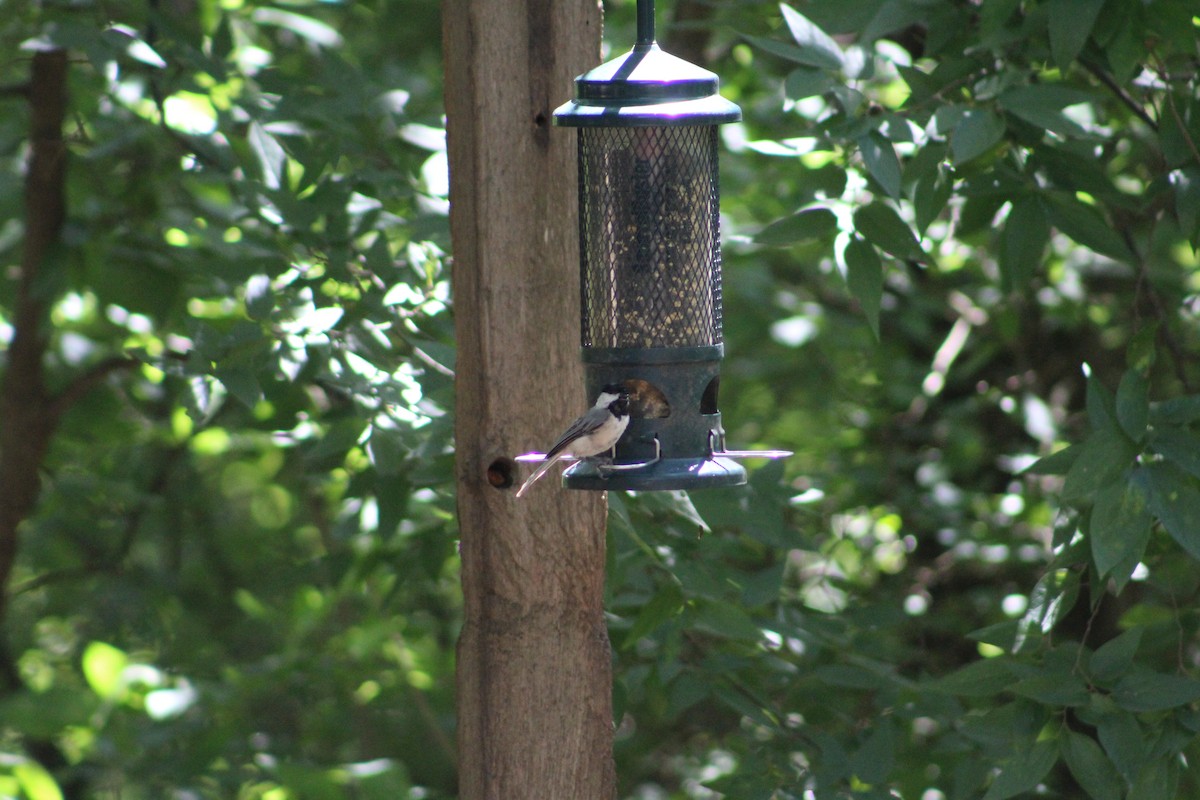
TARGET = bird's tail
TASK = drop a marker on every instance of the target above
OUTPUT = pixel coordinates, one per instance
(537, 473)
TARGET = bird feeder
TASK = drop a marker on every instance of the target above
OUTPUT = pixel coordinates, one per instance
(650, 263)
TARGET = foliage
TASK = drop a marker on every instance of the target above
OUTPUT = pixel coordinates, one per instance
(240, 581)
(961, 236)
(960, 282)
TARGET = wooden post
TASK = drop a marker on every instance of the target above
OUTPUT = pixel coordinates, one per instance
(534, 673)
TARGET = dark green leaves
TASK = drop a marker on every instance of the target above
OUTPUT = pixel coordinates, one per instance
(1149, 691)
(1114, 657)
(1102, 459)
(1026, 234)
(864, 276)
(881, 161)
(1090, 767)
(1042, 104)
(1175, 501)
(882, 226)
(977, 132)
(1024, 770)
(1086, 225)
(1070, 23)
(1120, 529)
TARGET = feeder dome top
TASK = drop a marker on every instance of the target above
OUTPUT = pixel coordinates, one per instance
(646, 86)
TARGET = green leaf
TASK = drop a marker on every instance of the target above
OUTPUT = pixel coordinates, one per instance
(103, 666)
(1086, 225)
(270, 155)
(725, 620)
(35, 782)
(976, 133)
(1101, 405)
(665, 604)
(1140, 353)
(817, 47)
(805, 82)
(1041, 105)
(873, 762)
(1024, 770)
(1122, 739)
(809, 224)
(1174, 498)
(1186, 182)
(880, 158)
(1103, 458)
(1176, 411)
(1120, 529)
(241, 382)
(1026, 234)
(1052, 597)
(850, 676)
(1156, 779)
(882, 226)
(1058, 689)
(1133, 405)
(1179, 446)
(864, 276)
(1058, 463)
(1114, 657)
(1069, 25)
(930, 195)
(1151, 691)
(1090, 767)
(982, 678)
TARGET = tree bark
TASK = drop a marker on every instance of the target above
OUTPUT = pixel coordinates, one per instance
(534, 673)
(27, 419)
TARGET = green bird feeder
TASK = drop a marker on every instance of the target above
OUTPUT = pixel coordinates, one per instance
(650, 264)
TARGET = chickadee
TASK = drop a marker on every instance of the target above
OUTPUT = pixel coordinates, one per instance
(593, 433)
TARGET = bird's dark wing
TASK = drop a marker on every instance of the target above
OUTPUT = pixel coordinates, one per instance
(586, 424)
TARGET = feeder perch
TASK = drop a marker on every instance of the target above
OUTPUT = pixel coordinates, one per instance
(650, 264)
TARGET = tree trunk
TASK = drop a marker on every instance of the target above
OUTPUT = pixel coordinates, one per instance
(534, 673)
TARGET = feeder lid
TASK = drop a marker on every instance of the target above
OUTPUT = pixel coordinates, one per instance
(646, 87)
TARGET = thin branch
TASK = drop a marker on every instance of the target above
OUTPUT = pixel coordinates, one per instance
(1183, 130)
(87, 381)
(1117, 89)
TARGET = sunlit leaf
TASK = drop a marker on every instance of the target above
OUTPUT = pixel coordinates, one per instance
(35, 782)
(811, 223)
(103, 666)
(817, 47)
(270, 155)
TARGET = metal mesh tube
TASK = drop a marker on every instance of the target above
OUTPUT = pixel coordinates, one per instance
(649, 236)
